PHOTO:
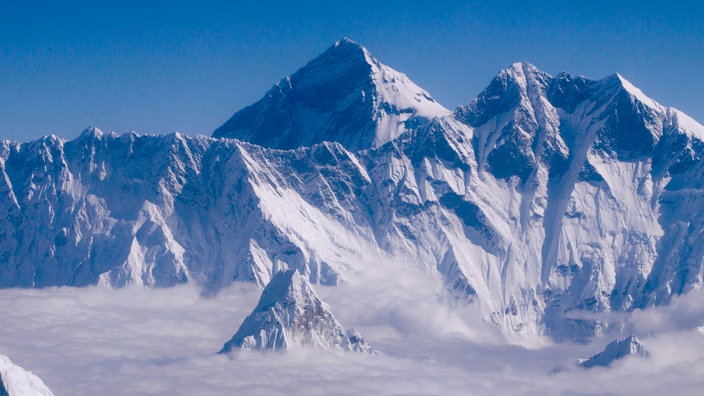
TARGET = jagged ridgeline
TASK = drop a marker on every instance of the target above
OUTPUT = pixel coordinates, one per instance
(544, 194)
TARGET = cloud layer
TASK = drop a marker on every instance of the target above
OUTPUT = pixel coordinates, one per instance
(135, 341)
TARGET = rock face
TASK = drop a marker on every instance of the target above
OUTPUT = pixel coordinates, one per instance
(615, 350)
(16, 381)
(545, 194)
(290, 313)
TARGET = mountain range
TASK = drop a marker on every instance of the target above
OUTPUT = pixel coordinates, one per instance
(543, 196)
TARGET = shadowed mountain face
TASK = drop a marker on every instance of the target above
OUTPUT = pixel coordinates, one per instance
(544, 195)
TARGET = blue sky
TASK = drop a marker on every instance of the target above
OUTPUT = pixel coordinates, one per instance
(157, 67)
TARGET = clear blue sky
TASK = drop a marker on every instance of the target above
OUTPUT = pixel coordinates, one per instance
(157, 67)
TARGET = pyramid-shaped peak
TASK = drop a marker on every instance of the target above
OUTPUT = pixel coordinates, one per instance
(523, 71)
(524, 67)
(92, 131)
(289, 314)
(513, 88)
(287, 284)
(634, 91)
(347, 42)
(514, 83)
(344, 51)
(344, 95)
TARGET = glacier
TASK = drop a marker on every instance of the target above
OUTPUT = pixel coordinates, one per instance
(544, 196)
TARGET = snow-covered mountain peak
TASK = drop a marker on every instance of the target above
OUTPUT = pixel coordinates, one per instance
(92, 131)
(616, 88)
(290, 313)
(519, 85)
(522, 84)
(637, 93)
(16, 381)
(523, 106)
(522, 72)
(616, 350)
(344, 95)
(396, 89)
(347, 46)
(511, 118)
(524, 79)
(343, 59)
(346, 40)
(654, 115)
(288, 286)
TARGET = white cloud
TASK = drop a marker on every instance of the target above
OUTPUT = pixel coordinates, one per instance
(135, 341)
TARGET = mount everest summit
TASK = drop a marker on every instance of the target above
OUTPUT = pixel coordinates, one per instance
(544, 195)
(344, 95)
